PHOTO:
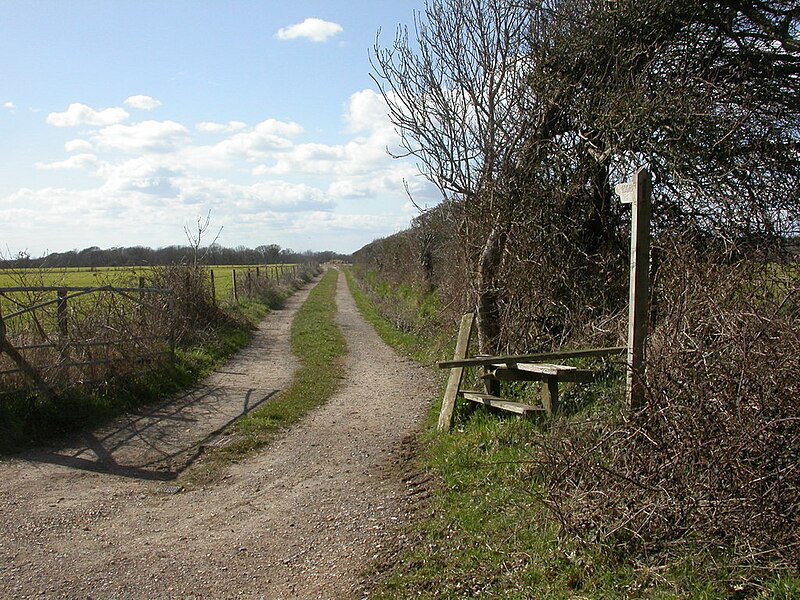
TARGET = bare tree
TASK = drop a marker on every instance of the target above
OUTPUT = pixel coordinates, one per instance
(457, 96)
(195, 238)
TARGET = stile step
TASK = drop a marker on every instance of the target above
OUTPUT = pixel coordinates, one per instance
(519, 408)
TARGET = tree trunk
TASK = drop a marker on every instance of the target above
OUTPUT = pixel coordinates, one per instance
(488, 300)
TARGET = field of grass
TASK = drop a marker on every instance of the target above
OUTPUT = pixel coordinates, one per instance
(125, 277)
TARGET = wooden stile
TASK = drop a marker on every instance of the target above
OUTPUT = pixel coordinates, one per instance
(482, 361)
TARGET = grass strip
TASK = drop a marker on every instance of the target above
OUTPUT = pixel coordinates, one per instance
(489, 532)
(319, 346)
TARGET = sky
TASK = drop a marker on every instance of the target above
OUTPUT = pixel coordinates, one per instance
(124, 121)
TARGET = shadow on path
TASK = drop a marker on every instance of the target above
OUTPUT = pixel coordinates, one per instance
(149, 445)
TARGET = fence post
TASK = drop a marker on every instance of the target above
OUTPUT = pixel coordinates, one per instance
(142, 315)
(235, 291)
(258, 271)
(638, 194)
(172, 324)
(61, 311)
(213, 288)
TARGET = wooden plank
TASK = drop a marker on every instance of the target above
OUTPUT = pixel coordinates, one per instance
(480, 361)
(542, 368)
(501, 404)
(512, 374)
(454, 382)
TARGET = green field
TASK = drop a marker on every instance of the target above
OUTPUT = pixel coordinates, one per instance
(126, 277)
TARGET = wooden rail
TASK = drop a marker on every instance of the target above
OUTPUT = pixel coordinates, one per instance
(482, 361)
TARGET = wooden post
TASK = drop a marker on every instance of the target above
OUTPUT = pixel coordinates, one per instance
(638, 194)
(213, 287)
(456, 374)
(142, 315)
(172, 325)
(258, 271)
(235, 291)
(61, 310)
(549, 394)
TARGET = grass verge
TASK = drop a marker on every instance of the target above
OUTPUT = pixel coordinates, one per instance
(319, 345)
(489, 530)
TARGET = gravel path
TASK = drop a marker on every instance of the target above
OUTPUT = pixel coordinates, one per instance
(306, 518)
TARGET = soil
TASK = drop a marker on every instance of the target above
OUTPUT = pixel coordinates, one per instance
(311, 516)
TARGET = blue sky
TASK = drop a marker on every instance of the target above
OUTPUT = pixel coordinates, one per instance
(123, 121)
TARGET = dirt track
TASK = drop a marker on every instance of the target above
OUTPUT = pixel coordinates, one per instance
(306, 518)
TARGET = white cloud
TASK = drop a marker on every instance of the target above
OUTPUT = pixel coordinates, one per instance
(211, 127)
(78, 161)
(371, 224)
(155, 136)
(75, 145)
(9, 105)
(367, 111)
(313, 29)
(263, 182)
(265, 196)
(142, 102)
(80, 114)
(266, 136)
(145, 175)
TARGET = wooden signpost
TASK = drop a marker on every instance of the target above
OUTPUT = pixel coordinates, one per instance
(638, 195)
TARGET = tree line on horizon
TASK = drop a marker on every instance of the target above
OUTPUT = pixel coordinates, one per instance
(138, 256)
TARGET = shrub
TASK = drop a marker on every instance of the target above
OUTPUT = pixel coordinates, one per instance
(194, 313)
(713, 459)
